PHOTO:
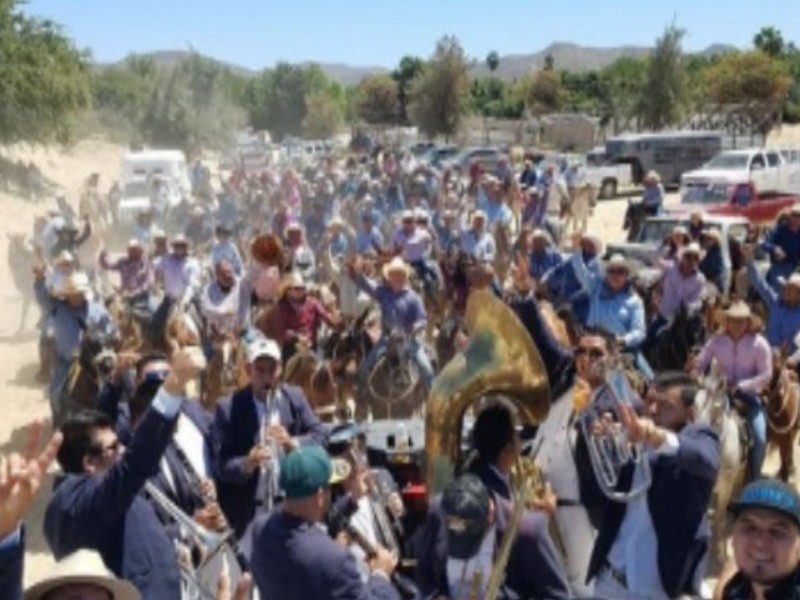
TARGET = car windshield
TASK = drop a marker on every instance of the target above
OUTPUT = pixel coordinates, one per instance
(653, 232)
(728, 160)
(135, 189)
(713, 194)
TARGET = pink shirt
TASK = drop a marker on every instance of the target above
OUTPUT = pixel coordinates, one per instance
(747, 364)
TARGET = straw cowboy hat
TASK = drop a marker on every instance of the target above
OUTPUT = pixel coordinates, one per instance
(478, 214)
(653, 176)
(395, 265)
(77, 283)
(693, 248)
(594, 239)
(293, 279)
(738, 310)
(65, 256)
(336, 221)
(793, 280)
(82, 567)
(179, 240)
(616, 261)
(542, 235)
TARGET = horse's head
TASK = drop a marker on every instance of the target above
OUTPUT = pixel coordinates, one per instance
(712, 399)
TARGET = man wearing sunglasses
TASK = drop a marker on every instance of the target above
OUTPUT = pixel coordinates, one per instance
(98, 505)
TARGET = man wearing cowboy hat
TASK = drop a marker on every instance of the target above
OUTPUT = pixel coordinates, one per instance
(683, 285)
(197, 230)
(715, 265)
(223, 304)
(225, 249)
(562, 283)
(543, 258)
(653, 193)
(783, 247)
(144, 228)
(415, 244)
(554, 194)
(72, 318)
(491, 202)
(336, 236)
(369, 236)
(301, 257)
(401, 309)
(745, 360)
(68, 238)
(783, 307)
(476, 241)
(135, 274)
(180, 273)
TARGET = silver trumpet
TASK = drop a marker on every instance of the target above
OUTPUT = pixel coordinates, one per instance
(266, 488)
(210, 544)
(610, 450)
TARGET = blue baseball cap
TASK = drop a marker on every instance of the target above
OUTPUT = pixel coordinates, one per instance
(769, 494)
(308, 469)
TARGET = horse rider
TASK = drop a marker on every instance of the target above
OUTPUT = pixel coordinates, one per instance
(98, 503)
(783, 309)
(765, 538)
(677, 239)
(369, 236)
(715, 265)
(294, 558)
(646, 549)
(447, 230)
(56, 277)
(783, 247)
(197, 230)
(72, 317)
(401, 309)
(301, 257)
(562, 282)
(745, 360)
(653, 194)
(225, 248)
(254, 428)
(554, 199)
(476, 241)
(180, 274)
(338, 244)
(696, 226)
(682, 285)
(68, 238)
(498, 214)
(615, 306)
(49, 233)
(415, 245)
(543, 257)
(144, 228)
(457, 547)
(223, 305)
(135, 274)
(297, 317)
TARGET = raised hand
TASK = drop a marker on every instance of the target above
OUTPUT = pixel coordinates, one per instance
(21, 477)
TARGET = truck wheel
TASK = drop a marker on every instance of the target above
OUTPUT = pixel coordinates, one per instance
(609, 189)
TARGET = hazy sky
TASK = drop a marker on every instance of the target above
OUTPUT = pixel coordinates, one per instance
(258, 33)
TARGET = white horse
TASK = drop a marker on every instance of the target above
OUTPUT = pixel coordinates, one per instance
(580, 208)
(713, 408)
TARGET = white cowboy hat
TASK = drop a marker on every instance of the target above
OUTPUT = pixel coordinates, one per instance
(490, 179)
(679, 230)
(336, 221)
(293, 226)
(478, 214)
(77, 283)
(542, 235)
(420, 214)
(618, 260)
(134, 243)
(82, 567)
(65, 256)
(197, 211)
(714, 234)
(179, 240)
(395, 265)
(792, 280)
(738, 310)
(693, 248)
(653, 176)
(407, 215)
(795, 209)
(159, 233)
(594, 239)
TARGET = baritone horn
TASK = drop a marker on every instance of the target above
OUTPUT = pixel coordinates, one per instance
(500, 360)
(610, 450)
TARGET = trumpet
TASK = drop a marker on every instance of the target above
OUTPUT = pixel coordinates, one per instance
(211, 545)
(610, 450)
(267, 486)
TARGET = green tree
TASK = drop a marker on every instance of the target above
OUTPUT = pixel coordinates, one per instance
(440, 93)
(542, 92)
(378, 100)
(407, 70)
(621, 84)
(751, 87)
(324, 115)
(770, 41)
(493, 61)
(44, 79)
(493, 97)
(665, 98)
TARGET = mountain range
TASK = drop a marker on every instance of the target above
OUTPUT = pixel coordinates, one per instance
(568, 56)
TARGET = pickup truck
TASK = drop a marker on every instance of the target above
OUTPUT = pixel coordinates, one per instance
(767, 169)
(741, 199)
(607, 178)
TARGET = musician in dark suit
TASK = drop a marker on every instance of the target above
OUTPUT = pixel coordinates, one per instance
(242, 448)
(497, 445)
(458, 547)
(294, 558)
(97, 503)
(647, 547)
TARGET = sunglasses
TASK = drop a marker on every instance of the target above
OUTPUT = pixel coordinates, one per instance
(113, 448)
(592, 352)
(617, 271)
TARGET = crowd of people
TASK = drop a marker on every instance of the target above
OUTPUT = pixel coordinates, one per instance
(162, 497)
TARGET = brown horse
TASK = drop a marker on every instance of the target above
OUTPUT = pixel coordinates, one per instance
(316, 379)
(226, 370)
(782, 412)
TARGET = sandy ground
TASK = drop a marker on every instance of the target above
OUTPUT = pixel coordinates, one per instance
(22, 399)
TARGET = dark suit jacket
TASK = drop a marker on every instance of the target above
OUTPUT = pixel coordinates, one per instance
(296, 560)
(491, 479)
(11, 567)
(107, 514)
(740, 588)
(534, 568)
(685, 480)
(235, 431)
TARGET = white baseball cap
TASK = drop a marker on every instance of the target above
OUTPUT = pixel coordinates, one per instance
(261, 347)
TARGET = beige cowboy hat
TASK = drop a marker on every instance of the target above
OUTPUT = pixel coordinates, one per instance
(407, 215)
(594, 239)
(293, 279)
(478, 214)
(179, 240)
(134, 243)
(65, 256)
(617, 261)
(738, 310)
(336, 221)
(82, 567)
(653, 176)
(693, 248)
(77, 283)
(541, 234)
(714, 234)
(395, 265)
(793, 280)
(679, 230)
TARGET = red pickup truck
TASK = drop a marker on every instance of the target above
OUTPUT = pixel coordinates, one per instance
(736, 200)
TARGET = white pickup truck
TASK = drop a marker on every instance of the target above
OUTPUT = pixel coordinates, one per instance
(767, 169)
(607, 178)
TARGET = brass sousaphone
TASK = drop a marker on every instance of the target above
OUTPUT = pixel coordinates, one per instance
(499, 360)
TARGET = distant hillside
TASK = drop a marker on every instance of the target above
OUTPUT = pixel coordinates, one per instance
(572, 57)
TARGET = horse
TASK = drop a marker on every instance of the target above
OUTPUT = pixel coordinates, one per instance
(675, 342)
(226, 369)
(394, 388)
(345, 350)
(92, 362)
(782, 412)
(21, 262)
(505, 251)
(635, 217)
(713, 408)
(315, 377)
(580, 208)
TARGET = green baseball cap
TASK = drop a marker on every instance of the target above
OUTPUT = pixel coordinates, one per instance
(308, 469)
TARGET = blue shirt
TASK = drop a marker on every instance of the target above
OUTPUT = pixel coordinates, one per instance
(653, 196)
(562, 282)
(784, 238)
(339, 245)
(541, 263)
(228, 252)
(783, 323)
(497, 213)
(369, 240)
(399, 310)
(483, 248)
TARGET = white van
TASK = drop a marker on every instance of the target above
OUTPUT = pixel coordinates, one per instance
(168, 164)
